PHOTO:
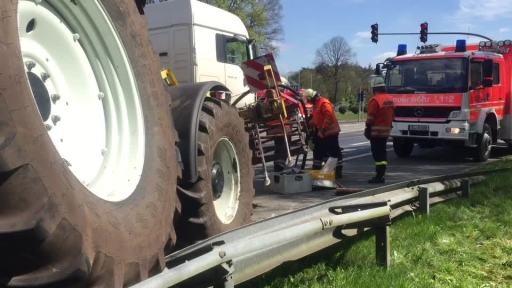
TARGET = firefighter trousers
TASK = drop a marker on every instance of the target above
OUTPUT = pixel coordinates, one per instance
(379, 153)
(281, 154)
(325, 148)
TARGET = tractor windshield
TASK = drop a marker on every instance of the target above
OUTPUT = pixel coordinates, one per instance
(446, 75)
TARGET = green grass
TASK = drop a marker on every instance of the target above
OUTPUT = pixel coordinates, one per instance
(349, 116)
(464, 243)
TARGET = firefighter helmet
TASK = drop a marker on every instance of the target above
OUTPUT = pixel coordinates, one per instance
(310, 93)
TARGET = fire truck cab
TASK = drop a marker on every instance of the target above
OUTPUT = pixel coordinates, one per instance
(457, 95)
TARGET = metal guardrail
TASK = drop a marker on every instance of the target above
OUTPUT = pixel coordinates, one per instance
(242, 254)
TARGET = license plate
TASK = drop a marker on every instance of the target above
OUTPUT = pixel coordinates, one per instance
(418, 127)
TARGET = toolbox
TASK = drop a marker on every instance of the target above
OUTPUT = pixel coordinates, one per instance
(288, 183)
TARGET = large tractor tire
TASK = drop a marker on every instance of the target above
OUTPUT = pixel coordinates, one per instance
(221, 199)
(87, 156)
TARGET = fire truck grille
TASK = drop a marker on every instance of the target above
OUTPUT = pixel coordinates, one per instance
(424, 112)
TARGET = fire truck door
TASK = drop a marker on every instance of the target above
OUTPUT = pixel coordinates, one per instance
(476, 94)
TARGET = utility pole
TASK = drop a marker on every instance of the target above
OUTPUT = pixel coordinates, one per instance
(359, 96)
(300, 86)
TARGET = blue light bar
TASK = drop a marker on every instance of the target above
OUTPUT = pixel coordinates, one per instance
(460, 45)
(402, 49)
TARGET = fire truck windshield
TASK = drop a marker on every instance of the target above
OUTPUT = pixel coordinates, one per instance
(442, 75)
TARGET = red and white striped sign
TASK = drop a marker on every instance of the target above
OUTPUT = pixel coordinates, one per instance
(254, 72)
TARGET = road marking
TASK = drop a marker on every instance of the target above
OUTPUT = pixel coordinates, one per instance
(362, 155)
(360, 143)
(345, 150)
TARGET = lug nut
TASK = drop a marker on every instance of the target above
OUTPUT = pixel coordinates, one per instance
(30, 65)
(76, 37)
(48, 127)
(55, 98)
(104, 152)
(55, 119)
(101, 95)
(45, 76)
(38, 1)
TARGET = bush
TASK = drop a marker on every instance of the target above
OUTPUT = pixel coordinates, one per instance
(342, 109)
(354, 109)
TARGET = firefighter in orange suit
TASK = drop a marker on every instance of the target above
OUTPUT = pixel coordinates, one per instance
(326, 132)
(381, 111)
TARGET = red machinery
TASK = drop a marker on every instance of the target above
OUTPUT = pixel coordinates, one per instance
(277, 121)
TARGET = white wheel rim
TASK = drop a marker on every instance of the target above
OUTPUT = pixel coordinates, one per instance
(226, 203)
(487, 142)
(96, 121)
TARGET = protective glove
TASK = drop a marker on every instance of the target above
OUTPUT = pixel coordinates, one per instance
(368, 131)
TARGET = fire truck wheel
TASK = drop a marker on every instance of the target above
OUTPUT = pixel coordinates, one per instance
(87, 191)
(403, 147)
(222, 198)
(482, 152)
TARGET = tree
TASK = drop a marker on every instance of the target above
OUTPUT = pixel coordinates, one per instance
(261, 17)
(331, 57)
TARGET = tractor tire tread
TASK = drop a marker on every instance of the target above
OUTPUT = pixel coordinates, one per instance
(201, 218)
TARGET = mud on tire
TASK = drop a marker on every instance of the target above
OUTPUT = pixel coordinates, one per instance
(53, 230)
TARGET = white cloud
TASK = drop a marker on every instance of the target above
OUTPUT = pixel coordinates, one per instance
(486, 9)
(361, 39)
(381, 57)
(365, 34)
(504, 30)
(283, 47)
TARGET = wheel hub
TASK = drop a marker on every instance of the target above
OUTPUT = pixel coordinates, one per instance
(217, 180)
(225, 180)
(41, 95)
(487, 143)
(86, 92)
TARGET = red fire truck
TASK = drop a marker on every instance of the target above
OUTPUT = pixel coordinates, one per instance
(456, 95)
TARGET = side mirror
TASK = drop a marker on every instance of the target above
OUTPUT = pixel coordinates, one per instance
(378, 69)
(487, 69)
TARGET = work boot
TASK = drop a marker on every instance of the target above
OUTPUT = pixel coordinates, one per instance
(317, 165)
(379, 178)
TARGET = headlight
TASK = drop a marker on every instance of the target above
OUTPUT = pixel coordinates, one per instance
(455, 130)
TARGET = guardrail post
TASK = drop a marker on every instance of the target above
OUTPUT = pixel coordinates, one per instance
(382, 246)
(466, 188)
(424, 199)
(227, 280)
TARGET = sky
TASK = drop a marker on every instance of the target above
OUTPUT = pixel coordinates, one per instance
(308, 24)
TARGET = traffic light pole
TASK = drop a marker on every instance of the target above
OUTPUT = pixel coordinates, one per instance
(440, 33)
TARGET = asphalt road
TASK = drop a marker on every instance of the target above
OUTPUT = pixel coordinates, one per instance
(358, 168)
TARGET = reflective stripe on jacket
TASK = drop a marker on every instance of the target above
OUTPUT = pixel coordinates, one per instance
(324, 118)
(381, 111)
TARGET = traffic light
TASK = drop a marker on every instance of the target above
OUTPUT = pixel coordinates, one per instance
(375, 33)
(361, 95)
(423, 32)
